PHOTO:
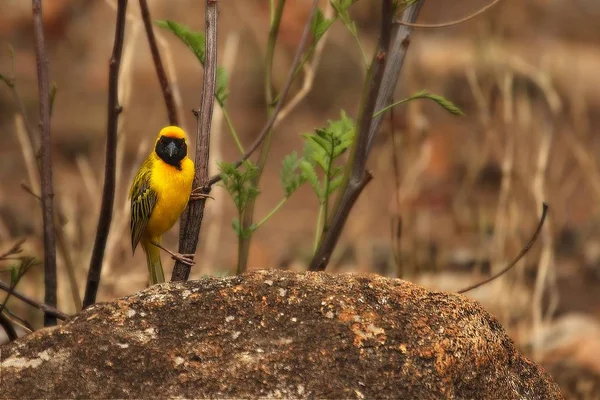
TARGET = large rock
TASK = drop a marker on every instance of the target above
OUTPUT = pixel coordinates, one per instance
(276, 334)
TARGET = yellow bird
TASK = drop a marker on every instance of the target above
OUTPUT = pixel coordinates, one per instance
(159, 194)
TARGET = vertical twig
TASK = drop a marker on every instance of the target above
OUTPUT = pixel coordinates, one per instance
(282, 95)
(215, 226)
(47, 190)
(247, 217)
(189, 241)
(507, 171)
(309, 72)
(359, 176)
(108, 194)
(393, 67)
(160, 71)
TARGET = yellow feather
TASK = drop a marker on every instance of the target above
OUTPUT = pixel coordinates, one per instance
(159, 194)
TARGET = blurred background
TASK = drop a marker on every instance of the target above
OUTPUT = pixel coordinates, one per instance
(454, 199)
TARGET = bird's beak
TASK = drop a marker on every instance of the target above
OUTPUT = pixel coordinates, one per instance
(171, 149)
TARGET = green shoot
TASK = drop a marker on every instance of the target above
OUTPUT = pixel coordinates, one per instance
(237, 182)
(341, 9)
(321, 152)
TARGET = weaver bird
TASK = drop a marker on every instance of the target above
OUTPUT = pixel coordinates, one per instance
(159, 194)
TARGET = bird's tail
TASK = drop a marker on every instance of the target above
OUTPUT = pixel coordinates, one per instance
(155, 268)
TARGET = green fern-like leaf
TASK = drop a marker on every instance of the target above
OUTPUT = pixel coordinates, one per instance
(238, 182)
(291, 176)
(310, 175)
(193, 40)
(319, 25)
(341, 8)
(335, 184)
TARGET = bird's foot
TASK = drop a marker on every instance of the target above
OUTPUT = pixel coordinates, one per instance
(198, 194)
(187, 259)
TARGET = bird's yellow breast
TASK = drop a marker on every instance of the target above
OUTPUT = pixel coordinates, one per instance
(173, 188)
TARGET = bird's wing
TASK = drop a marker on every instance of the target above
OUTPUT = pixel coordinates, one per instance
(143, 200)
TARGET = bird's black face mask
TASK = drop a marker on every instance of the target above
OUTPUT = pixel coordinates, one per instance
(171, 150)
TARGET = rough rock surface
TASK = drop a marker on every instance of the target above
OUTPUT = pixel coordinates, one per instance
(276, 334)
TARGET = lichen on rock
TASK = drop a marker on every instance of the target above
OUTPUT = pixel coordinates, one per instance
(276, 334)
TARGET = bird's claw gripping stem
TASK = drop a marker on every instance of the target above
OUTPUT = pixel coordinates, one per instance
(198, 194)
(187, 259)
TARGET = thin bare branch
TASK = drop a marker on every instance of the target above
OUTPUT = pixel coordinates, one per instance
(282, 95)
(359, 176)
(309, 72)
(517, 258)
(215, 226)
(8, 327)
(193, 218)
(395, 61)
(160, 71)
(108, 194)
(50, 284)
(450, 23)
(47, 309)
(15, 319)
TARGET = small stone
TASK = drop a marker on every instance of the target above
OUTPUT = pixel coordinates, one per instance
(229, 318)
(179, 361)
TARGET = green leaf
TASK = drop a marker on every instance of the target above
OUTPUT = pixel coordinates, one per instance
(335, 171)
(310, 174)
(335, 183)
(319, 25)
(193, 40)
(341, 9)
(442, 102)
(238, 182)
(324, 139)
(196, 42)
(424, 94)
(221, 89)
(291, 178)
(322, 149)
